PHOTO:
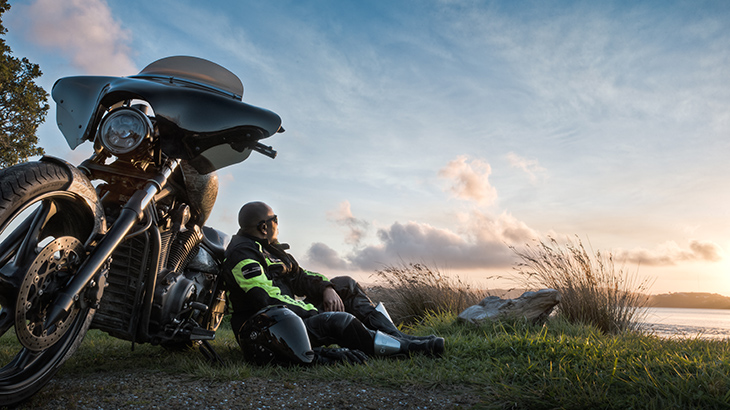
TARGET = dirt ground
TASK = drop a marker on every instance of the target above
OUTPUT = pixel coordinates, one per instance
(156, 390)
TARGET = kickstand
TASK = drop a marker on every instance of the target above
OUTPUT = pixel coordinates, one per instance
(209, 353)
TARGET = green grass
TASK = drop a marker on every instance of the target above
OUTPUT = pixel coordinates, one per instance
(505, 366)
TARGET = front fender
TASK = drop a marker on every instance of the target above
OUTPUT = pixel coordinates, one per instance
(81, 187)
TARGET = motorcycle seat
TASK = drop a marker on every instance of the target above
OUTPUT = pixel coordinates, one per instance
(215, 240)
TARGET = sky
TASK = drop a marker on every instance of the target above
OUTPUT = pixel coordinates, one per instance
(447, 132)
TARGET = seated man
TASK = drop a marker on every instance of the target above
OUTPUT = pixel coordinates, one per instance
(259, 274)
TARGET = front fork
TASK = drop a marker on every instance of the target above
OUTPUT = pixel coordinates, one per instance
(131, 213)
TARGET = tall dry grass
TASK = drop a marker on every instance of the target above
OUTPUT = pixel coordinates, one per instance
(594, 290)
(412, 291)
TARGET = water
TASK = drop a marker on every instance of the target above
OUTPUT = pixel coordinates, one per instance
(688, 323)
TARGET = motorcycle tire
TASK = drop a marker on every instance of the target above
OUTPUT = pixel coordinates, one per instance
(37, 217)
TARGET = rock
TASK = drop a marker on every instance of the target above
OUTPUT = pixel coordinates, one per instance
(532, 306)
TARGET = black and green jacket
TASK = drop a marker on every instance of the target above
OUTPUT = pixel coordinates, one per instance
(258, 274)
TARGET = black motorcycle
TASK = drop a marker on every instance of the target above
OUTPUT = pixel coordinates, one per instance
(118, 243)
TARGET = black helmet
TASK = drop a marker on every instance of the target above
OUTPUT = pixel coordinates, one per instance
(275, 335)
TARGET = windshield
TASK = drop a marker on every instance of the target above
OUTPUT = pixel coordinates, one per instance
(197, 71)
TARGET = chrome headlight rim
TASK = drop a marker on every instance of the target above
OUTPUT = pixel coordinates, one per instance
(140, 125)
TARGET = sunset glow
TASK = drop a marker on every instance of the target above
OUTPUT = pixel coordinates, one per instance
(444, 132)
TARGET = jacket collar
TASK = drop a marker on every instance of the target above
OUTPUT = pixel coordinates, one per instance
(263, 241)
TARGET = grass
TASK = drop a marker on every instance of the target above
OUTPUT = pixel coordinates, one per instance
(513, 365)
(593, 289)
(413, 290)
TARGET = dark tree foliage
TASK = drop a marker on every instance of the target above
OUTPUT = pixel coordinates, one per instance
(23, 104)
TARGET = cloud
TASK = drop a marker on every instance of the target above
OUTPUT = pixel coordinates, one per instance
(470, 181)
(320, 255)
(503, 229)
(480, 240)
(706, 250)
(531, 166)
(356, 227)
(483, 243)
(84, 30)
(670, 253)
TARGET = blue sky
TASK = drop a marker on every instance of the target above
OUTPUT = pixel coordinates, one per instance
(444, 131)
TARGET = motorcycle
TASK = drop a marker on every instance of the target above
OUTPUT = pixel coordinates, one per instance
(118, 243)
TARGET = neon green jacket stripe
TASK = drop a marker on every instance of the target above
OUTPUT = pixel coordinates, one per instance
(264, 283)
(310, 273)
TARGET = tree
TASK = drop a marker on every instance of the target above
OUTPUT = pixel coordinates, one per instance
(23, 104)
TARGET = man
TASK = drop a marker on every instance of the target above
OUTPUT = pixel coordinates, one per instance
(259, 274)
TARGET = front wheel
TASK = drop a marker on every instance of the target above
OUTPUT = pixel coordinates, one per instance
(43, 230)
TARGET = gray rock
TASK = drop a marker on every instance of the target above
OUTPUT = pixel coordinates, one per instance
(532, 306)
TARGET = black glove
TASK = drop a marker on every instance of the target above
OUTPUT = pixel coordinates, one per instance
(331, 355)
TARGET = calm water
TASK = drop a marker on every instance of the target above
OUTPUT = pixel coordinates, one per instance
(679, 322)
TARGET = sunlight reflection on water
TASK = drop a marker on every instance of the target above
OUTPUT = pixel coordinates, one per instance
(688, 323)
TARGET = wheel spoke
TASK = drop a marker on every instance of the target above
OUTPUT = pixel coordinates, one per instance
(9, 277)
(24, 358)
(10, 245)
(7, 318)
(20, 248)
(28, 248)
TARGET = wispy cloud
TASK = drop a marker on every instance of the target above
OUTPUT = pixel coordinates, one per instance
(357, 228)
(530, 166)
(84, 31)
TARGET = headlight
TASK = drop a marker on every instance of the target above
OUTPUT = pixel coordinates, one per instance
(123, 130)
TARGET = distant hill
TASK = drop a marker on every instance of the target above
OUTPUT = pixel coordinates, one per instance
(697, 300)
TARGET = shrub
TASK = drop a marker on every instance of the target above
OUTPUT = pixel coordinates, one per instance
(413, 291)
(593, 289)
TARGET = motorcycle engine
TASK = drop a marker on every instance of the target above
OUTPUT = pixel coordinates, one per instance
(178, 296)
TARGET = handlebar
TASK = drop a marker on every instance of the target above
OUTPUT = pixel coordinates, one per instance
(265, 150)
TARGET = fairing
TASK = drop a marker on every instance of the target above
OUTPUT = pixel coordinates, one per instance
(199, 113)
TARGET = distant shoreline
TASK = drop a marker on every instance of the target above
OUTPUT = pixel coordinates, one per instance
(690, 300)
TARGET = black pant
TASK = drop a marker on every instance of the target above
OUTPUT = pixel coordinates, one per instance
(339, 328)
(355, 299)
(343, 328)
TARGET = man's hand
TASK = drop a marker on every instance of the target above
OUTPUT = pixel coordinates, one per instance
(332, 301)
(329, 355)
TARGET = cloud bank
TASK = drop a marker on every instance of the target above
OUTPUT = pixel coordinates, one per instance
(670, 253)
(480, 241)
(421, 242)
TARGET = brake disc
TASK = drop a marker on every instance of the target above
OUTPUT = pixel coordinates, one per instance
(47, 275)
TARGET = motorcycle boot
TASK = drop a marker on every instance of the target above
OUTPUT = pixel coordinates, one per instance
(359, 304)
(387, 345)
(379, 319)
